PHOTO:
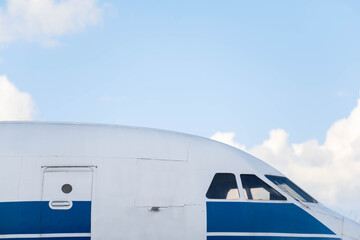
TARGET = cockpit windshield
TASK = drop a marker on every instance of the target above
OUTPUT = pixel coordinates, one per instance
(290, 188)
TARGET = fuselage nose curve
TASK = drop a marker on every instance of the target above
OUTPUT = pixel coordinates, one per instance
(351, 230)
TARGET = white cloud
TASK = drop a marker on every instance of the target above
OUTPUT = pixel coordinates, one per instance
(14, 104)
(228, 138)
(44, 20)
(329, 171)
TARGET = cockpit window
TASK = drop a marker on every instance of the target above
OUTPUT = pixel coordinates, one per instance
(290, 188)
(257, 189)
(223, 186)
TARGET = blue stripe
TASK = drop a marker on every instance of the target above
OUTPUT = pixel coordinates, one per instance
(266, 238)
(75, 220)
(20, 217)
(53, 238)
(38, 217)
(261, 217)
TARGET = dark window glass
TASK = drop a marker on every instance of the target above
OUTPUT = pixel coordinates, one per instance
(223, 186)
(66, 188)
(257, 189)
(291, 188)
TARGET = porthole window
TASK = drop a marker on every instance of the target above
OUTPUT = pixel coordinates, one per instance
(66, 188)
(223, 186)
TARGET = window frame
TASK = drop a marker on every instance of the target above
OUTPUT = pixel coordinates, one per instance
(224, 199)
(269, 176)
(268, 183)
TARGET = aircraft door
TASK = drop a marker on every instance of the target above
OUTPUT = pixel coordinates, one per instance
(66, 202)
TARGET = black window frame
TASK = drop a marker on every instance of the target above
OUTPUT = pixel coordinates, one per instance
(210, 193)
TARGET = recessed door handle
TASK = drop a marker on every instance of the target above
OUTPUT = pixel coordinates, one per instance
(60, 204)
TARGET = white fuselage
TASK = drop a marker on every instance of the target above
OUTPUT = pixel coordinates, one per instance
(81, 181)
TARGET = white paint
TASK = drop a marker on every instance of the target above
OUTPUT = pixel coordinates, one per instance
(134, 170)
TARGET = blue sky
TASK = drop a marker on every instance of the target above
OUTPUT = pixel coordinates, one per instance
(200, 67)
(245, 68)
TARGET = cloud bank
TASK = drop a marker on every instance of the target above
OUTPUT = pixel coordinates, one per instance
(14, 104)
(43, 20)
(329, 171)
(228, 138)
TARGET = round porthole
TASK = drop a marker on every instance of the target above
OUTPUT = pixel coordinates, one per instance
(66, 188)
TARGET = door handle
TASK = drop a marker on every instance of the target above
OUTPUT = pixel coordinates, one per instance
(60, 204)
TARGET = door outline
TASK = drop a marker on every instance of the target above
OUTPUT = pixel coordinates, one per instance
(69, 203)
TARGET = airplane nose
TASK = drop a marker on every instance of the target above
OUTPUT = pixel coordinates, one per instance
(351, 230)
